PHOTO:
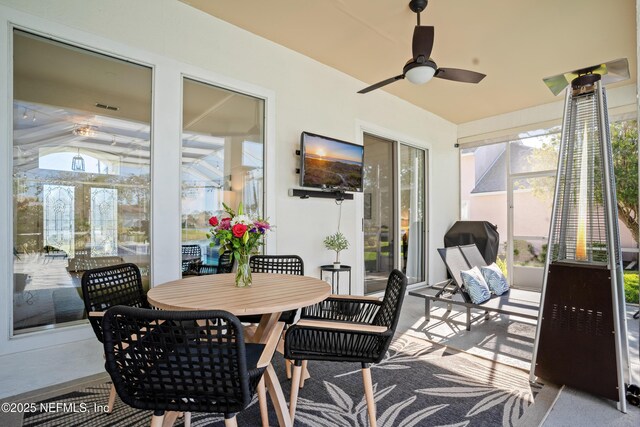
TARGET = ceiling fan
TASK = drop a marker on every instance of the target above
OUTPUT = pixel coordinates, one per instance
(421, 68)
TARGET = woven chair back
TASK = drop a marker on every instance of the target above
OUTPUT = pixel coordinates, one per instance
(190, 250)
(281, 264)
(225, 262)
(389, 312)
(192, 361)
(103, 288)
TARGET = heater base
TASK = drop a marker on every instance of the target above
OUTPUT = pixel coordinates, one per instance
(577, 335)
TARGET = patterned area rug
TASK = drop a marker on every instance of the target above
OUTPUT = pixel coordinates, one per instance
(417, 384)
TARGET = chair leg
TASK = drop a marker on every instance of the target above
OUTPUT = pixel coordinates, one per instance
(468, 319)
(368, 393)
(295, 387)
(287, 368)
(262, 401)
(170, 418)
(230, 422)
(427, 310)
(305, 373)
(112, 399)
(156, 420)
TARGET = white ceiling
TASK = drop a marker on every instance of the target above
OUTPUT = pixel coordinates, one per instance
(515, 42)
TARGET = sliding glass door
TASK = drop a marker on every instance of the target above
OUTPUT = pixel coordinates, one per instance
(394, 222)
(379, 220)
(412, 206)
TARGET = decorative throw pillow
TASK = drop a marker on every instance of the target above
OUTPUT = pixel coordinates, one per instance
(476, 286)
(495, 279)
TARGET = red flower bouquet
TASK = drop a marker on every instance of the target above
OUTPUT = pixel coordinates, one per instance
(241, 235)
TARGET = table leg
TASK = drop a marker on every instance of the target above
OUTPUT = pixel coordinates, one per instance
(264, 331)
(277, 397)
(333, 282)
(265, 327)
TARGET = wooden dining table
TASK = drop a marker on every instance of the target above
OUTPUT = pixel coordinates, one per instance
(269, 296)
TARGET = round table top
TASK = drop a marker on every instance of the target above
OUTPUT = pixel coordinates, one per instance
(270, 293)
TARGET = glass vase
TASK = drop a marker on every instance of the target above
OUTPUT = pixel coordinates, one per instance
(243, 273)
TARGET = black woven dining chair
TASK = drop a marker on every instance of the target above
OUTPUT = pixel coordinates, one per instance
(346, 329)
(172, 361)
(190, 266)
(105, 287)
(279, 264)
(225, 265)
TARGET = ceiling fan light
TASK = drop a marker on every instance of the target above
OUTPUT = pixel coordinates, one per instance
(421, 74)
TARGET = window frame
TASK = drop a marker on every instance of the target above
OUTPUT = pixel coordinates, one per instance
(267, 247)
(167, 74)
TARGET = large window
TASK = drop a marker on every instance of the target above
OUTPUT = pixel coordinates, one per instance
(532, 169)
(222, 162)
(483, 188)
(511, 184)
(81, 174)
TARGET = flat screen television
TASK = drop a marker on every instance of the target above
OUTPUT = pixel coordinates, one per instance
(330, 163)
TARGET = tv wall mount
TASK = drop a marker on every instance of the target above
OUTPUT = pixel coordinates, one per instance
(337, 194)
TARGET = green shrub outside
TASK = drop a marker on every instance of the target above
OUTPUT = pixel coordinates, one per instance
(192, 234)
(631, 287)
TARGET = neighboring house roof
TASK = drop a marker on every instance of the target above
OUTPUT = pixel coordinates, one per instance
(495, 177)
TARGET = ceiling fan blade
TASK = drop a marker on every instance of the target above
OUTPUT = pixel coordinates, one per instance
(382, 83)
(459, 75)
(422, 41)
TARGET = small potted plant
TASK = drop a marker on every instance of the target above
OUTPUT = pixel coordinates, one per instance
(336, 242)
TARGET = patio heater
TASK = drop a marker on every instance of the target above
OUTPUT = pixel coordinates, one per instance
(581, 338)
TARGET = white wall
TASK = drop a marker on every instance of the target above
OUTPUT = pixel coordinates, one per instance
(620, 100)
(302, 95)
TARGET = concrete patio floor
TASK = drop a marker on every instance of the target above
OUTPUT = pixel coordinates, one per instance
(509, 340)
